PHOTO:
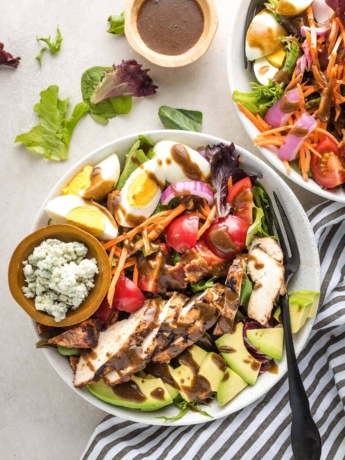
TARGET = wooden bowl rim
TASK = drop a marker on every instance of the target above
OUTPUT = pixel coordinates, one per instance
(60, 231)
(209, 10)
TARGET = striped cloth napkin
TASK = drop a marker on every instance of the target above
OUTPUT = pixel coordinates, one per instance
(261, 431)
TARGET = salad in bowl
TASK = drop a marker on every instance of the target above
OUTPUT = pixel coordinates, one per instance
(292, 103)
(190, 326)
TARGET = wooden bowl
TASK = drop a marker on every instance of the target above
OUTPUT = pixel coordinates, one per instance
(66, 233)
(192, 54)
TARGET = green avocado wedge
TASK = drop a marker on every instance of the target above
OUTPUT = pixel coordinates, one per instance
(269, 341)
(137, 393)
(230, 385)
(234, 352)
(302, 305)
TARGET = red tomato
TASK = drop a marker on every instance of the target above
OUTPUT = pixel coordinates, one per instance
(182, 233)
(104, 311)
(227, 236)
(329, 170)
(128, 297)
(240, 198)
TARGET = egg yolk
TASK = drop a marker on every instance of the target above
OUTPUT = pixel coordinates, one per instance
(89, 219)
(79, 182)
(142, 190)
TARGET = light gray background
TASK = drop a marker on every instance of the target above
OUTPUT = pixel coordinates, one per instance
(40, 417)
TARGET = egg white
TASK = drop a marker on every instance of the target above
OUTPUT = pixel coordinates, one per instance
(264, 70)
(59, 208)
(292, 7)
(173, 171)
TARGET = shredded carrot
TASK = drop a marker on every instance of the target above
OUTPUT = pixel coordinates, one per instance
(262, 122)
(269, 142)
(119, 268)
(273, 131)
(287, 166)
(301, 98)
(333, 36)
(250, 116)
(328, 134)
(111, 255)
(208, 221)
(311, 148)
(294, 82)
(135, 274)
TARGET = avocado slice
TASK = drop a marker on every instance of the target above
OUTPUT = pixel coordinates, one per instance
(137, 393)
(230, 385)
(212, 368)
(195, 353)
(269, 340)
(302, 305)
(306, 298)
(233, 350)
(164, 368)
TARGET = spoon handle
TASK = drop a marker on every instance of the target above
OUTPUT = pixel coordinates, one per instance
(305, 436)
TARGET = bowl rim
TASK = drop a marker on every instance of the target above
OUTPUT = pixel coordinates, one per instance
(96, 295)
(252, 394)
(239, 80)
(133, 37)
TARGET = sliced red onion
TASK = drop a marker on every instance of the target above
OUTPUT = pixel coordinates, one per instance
(305, 61)
(280, 112)
(190, 187)
(203, 153)
(322, 12)
(320, 31)
(297, 135)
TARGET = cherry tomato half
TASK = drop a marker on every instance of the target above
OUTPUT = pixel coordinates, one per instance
(209, 257)
(128, 297)
(227, 236)
(240, 198)
(182, 232)
(329, 170)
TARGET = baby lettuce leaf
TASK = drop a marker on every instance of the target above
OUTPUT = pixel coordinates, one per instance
(7, 58)
(117, 24)
(134, 158)
(261, 98)
(188, 120)
(54, 47)
(109, 108)
(52, 136)
(125, 79)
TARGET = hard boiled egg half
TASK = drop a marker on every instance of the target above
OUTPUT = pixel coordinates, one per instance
(292, 7)
(265, 68)
(181, 162)
(94, 183)
(141, 194)
(89, 216)
(263, 35)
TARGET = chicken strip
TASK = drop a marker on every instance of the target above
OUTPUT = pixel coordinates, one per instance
(267, 272)
(119, 344)
(232, 296)
(83, 335)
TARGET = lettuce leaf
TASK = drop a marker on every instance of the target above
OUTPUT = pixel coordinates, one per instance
(126, 79)
(261, 98)
(109, 108)
(52, 136)
(54, 47)
(117, 24)
(7, 58)
(188, 120)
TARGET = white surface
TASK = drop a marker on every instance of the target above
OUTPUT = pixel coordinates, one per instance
(239, 80)
(308, 275)
(40, 417)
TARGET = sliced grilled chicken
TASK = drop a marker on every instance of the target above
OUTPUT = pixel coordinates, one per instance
(84, 335)
(118, 346)
(267, 273)
(145, 350)
(196, 317)
(232, 296)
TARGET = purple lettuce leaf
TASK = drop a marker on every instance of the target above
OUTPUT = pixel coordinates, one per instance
(7, 58)
(338, 6)
(225, 162)
(126, 79)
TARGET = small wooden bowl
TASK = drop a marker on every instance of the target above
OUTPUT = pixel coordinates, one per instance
(65, 233)
(134, 39)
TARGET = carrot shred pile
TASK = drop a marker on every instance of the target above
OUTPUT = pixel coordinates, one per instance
(326, 85)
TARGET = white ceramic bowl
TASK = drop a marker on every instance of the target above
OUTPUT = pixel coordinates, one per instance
(307, 277)
(239, 79)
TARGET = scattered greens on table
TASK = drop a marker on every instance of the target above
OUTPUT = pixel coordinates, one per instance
(187, 120)
(117, 24)
(52, 136)
(7, 59)
(53, 46)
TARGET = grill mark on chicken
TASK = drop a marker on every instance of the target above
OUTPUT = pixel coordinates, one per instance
(267, 272)
(196, 317)
(232, 296)
(84, 335)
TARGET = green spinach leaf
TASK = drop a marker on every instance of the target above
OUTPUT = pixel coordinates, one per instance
(188, 120)
(117, 24)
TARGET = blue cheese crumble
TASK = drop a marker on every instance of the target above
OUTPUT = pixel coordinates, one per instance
(58, 276)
